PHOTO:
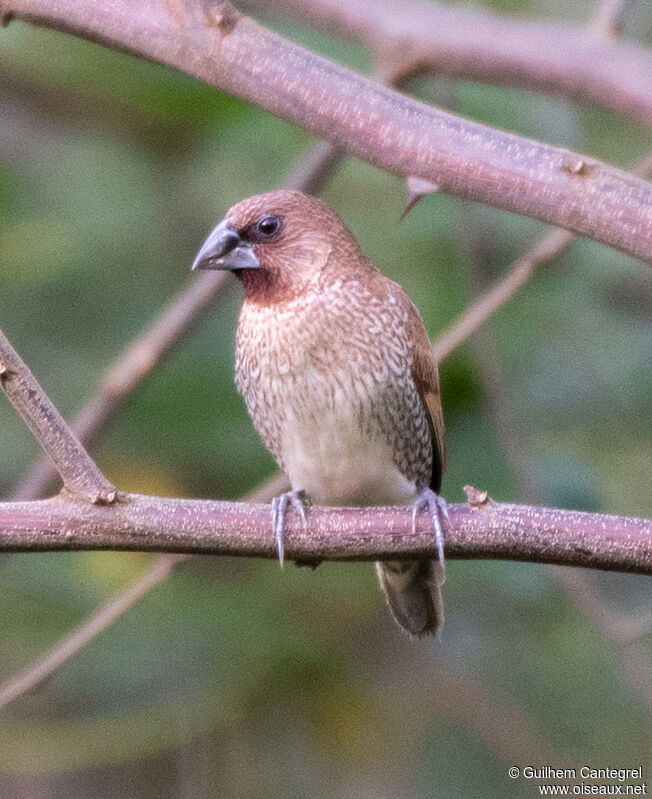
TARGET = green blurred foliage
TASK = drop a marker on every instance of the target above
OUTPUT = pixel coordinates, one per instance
(234, 678)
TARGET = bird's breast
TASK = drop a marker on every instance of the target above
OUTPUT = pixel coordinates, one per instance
(329, 390)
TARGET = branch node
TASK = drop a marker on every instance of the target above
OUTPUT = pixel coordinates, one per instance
(221, 15)
(105, 497)
(478, 499)
(579, 167)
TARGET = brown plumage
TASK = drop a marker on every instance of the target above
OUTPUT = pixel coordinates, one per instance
(337, 371)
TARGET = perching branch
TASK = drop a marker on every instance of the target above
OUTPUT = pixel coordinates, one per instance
(412, 37)
(480, 529)
(220, 46)
(156, 524)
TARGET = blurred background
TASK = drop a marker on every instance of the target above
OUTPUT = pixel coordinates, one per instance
(234, 678)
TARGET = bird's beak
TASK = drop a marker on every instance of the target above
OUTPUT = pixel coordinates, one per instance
(224, 249)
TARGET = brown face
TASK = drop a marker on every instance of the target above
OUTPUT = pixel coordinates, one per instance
(277, 243)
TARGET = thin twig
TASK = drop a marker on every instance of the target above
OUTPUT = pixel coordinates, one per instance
(502, 727)
(81, 476)
(622, 631)
(503, 290)
(222, 47)
(316, 168)
(37, 671)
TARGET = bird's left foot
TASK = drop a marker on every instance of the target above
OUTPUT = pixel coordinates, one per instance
(279, 506)
(438, 507)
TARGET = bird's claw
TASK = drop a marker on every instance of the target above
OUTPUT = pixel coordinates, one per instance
(438, 507)
(279, 507)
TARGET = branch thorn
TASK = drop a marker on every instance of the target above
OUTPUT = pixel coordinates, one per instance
(417, 187)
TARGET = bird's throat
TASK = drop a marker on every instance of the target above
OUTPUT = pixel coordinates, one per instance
(266, 287)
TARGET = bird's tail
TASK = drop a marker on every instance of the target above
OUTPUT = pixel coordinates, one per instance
(413, 591)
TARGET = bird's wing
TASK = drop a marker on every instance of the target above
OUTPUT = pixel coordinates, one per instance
(426, 379)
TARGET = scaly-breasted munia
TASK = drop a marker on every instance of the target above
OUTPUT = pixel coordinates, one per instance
(337, 372)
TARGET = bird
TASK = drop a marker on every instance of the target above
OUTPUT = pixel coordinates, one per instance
(338, 374)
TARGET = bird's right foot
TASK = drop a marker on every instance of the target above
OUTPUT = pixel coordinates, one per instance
(279, 506)
(437, 507)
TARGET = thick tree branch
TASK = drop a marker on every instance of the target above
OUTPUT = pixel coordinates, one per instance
(224, 48)
(483, 529)
(411, 38)
(81, 477)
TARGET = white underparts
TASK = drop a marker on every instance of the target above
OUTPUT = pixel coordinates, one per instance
(336, 463)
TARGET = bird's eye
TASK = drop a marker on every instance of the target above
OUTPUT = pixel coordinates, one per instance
(268, 225)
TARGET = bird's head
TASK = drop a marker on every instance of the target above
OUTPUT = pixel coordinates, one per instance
(278, 244)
